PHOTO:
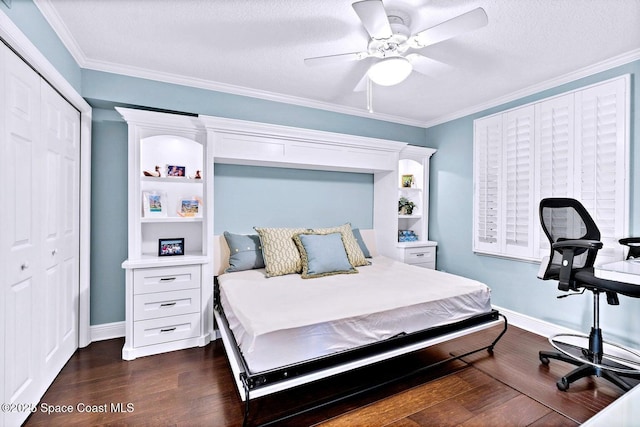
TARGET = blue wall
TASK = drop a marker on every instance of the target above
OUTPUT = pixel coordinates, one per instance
(514, 283)
(247, 196)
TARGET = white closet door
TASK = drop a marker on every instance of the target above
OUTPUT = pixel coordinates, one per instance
(20, 215)
(60, 134)
(39, 233)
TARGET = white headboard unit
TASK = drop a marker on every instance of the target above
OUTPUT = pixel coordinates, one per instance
(249, 143)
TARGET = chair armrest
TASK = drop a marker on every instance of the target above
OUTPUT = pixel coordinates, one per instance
(583, 244)
(634, 246)
(570, 248)
(630, 241)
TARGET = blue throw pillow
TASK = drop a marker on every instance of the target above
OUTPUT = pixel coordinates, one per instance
(360, 240)
(322, 255)
(246, 252)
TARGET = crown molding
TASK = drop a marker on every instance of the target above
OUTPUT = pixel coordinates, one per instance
(52, 17)
(605, 65)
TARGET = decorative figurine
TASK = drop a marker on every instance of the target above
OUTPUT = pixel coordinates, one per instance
(156, 173)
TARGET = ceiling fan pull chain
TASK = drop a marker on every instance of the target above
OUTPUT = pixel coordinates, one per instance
(369, 95)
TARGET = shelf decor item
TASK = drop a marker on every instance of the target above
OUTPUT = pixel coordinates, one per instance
(155, 173)
(153, 204)
(176, 171)
(407, 236)
(189, 207)
(171, 247)
(407, 181)
(405, 206)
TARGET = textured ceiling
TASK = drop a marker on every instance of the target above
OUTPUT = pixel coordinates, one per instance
(257, 48)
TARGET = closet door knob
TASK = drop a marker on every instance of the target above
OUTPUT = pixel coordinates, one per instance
(53, 252)
(24, 266)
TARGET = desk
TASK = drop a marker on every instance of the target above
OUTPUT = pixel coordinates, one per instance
(622, 271)
(624, 412)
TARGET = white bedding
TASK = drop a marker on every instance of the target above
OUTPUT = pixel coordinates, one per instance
(282, 320)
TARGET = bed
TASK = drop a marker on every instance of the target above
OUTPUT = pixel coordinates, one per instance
(283, 331)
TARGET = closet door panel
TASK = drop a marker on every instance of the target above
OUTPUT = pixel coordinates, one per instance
(21, 162)
(60, 130)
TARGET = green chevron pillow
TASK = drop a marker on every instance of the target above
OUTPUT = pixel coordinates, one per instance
(279, 251)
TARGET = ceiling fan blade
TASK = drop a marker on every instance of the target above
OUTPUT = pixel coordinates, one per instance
(362, 84)
(472, 20)
(374, 18)
(334, 59)
(427, 66)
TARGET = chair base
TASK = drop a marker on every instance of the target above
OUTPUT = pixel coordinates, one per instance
(590, 363)
(584, 370)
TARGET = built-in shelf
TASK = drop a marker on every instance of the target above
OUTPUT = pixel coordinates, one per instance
(175, 180)
(176, 219)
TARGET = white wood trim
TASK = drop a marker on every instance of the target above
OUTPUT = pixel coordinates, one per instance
(107, 331)
(19, 42)
(590, 70)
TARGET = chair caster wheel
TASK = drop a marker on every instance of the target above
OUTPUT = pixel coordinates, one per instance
(544, 360)
(563, 384)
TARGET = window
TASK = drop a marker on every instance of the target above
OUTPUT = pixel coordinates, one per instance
(572, 145)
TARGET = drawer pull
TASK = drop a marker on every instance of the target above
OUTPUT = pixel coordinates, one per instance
(167, 330)
(422, 254)
(167, 279)
(168, 304)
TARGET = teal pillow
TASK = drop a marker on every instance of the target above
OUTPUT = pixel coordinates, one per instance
(322, 255)
(246, 252)
(360, 240)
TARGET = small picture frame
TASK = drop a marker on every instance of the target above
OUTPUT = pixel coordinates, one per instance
(154, 204)
(189, 207)
(176, 171)
(407, 181)
(171, 247)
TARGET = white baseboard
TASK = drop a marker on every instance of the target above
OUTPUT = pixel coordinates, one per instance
(107, 331)
(533, 325)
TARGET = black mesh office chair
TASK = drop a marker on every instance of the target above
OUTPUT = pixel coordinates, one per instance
(575, 241)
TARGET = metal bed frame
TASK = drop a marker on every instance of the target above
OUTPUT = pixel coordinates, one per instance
(253, 385)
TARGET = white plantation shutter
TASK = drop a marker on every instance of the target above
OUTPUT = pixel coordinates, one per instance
(518, 167)
(573, 145)
(554, 157)
(600, 143)
(488, 156)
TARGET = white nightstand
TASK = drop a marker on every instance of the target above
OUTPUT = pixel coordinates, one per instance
(421, 254)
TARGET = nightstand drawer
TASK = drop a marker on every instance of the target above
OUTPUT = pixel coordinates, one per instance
(147, 280)
(420, 255)
(162, 304)
(165, 329)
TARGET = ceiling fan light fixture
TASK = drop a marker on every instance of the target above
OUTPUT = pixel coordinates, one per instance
(390, 71)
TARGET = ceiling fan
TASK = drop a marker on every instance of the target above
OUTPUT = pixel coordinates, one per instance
(391, 42)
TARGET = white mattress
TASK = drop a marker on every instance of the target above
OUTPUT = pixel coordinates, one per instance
(283, 320)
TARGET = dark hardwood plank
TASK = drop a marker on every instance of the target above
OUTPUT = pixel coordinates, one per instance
(195, 387)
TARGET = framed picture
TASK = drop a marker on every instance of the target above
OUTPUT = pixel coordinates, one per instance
(189, 207)
(176, 171)
(171, 247)
(154, 204)
(407, 181)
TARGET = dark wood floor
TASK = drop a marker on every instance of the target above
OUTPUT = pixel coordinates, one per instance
(195, 387)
